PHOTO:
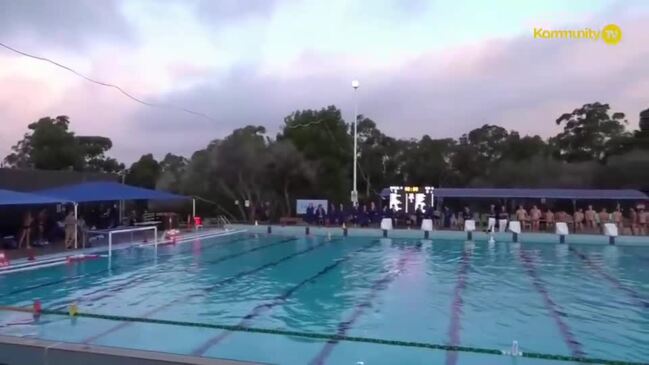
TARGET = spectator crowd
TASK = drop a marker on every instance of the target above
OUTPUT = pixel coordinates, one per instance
(631, 221)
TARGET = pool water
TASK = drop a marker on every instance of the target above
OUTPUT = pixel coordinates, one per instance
(582, 300)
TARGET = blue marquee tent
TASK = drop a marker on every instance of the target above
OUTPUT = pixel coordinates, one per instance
(8, 197)
(106, 191)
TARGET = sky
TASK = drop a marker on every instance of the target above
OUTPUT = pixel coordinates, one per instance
(430, 67)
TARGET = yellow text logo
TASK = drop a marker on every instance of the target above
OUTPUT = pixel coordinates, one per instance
(610, 34)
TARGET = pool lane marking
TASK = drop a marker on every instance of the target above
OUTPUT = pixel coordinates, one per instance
(329, 336)
(454, 327)
(82, 276)
(634, 295)
(206, 289)
(278, 300)
(378, 285)
(105, 293)
(568, 337)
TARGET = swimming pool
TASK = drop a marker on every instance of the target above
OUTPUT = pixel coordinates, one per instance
(388, 301)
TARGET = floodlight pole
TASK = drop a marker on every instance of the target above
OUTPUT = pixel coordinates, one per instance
(354, 197)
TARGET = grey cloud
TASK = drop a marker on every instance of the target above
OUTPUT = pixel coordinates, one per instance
(71, 23)
(217, 13)
(521, 84)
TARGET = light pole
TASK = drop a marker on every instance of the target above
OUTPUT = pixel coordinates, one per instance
(355, 85)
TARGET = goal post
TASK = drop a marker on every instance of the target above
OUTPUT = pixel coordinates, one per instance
(132, 230)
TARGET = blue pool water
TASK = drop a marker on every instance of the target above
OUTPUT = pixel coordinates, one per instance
(577, 300)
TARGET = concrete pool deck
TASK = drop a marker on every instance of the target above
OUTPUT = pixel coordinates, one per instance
(529, 237)
(22, 351)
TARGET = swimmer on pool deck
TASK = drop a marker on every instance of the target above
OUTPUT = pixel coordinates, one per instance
(590, 218)
(579, 220)
(535, 215)
(521, 216)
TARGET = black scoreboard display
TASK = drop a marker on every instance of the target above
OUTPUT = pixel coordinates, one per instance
(408, 198)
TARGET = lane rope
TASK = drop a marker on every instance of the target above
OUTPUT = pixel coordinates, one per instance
(330, 337)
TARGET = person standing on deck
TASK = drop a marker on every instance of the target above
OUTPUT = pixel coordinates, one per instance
(25, 234)
(320, 215)
(419, 214)
(374, 213)
(579, 220)
(363, 217)
(310, 214)
(617, 218)
(549, 220)
(342, 215)
(590, 218)
(332, 215)
(643, 217)
(535, 215)
(467, 214)
(70, 224)
(603, 218)
(633, 216)
(521, 216)
(492, 218)
(447, 217)
(503, 217)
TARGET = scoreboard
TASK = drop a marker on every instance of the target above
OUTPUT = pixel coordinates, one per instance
(408, 198)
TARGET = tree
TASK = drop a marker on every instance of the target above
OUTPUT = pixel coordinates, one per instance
(287, 171)
(590, 133)
(50, 145)
(377, 158)
(427, 161)
(172, 169)
(642, 136)
(323, 138)
(144, 173)
(93, 149)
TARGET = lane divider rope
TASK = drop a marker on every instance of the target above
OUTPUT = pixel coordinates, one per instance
(329, 337)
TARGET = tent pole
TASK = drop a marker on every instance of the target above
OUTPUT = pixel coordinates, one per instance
(193, 209)
(76, 227)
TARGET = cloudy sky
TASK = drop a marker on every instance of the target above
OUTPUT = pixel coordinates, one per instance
(425, 66)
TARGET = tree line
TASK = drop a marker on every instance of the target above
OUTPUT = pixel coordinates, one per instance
(310, 157)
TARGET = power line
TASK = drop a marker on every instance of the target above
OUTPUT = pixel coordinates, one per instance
(118, 88)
